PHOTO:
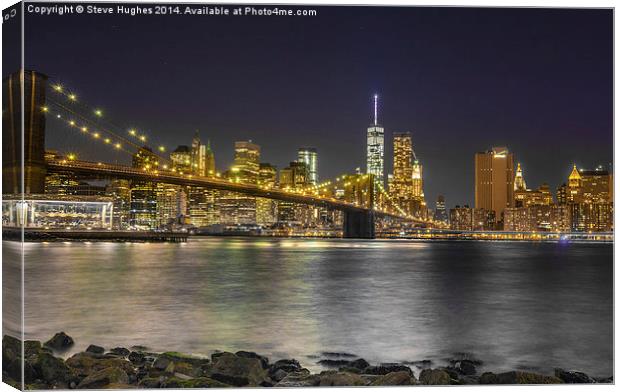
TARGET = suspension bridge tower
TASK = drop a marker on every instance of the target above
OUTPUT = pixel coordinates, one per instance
(23, 154)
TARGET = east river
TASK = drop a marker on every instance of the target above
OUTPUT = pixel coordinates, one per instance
(514, 305)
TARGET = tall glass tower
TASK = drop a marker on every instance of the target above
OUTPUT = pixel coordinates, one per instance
(375, 147)
(308, 156)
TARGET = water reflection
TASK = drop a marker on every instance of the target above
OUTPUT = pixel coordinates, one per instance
(512, 304)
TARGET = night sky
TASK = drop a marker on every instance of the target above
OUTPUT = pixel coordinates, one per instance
(461, 80)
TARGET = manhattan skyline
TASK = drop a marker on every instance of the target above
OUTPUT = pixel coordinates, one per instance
(535, 80)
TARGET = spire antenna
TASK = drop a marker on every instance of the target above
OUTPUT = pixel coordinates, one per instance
(376, 101)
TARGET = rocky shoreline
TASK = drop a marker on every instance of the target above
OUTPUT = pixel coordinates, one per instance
(137, 367)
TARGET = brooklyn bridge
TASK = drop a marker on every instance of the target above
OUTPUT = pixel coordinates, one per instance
(42, 101)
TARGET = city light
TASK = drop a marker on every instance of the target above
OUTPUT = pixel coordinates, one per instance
(98, 112)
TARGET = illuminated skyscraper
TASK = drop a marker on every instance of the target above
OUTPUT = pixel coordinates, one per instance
(266, 209)
(308, 156)
(375, 146)
(182, 159)
(494, 180)
(237, 208)
(143, 194)
(519, 180)
(441, 215)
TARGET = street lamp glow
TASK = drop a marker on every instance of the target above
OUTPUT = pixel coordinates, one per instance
(143, 138)
(58, 88)
(98, 112)
(162, 148)
(72, 97)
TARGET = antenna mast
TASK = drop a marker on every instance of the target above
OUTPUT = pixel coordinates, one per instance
(376, 98)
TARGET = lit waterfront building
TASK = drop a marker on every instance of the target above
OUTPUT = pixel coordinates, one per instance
(441, 215)
(237, 208)
(461, 218)
(293, 177)
(266, 209)
(143, 194)
(589, 195)
(494, 180)
(181, 159)
(375, 147)
(120, 192)
(538, 217)
(171, 204)
(58, 212)
(308, 155)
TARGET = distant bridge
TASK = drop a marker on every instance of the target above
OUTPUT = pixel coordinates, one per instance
(358, 221)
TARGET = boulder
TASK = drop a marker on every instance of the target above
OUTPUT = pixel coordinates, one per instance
(248, 354)
(238, 371)
(333, 363)
(573, 377)
(286, 365)
(360, 364)
(103, 378)
(340, 379)
(136, 357)
(11, 357)
(386, 368)
(161, 363)
(394, 378)
(203, 382)
(217, 355)
(423, 364)
(488, 378)
(85, 364)
(520, 377)
(52, 369)
(95, 349)
(177, 357)
(434, 377)
(59, 342)
(120, 351)
(466, 367)
(302, 378)
(150, 382)
(32, 347)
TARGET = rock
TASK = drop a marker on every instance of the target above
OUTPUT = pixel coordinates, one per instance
(349, 369)
(59, 342)
(573, 377)
(103, 378)
(466, 367)
(333, 363)
(217, 355)
(278, 375)
(340, 379)
(395, 378)
(605, 380)
(150, 382)
(488, 378)
(470, 380)
(360, 364)
(452, 372)
(95, 349)
(138, 348)
(120, 351)
(52, 369)
(136, 357)
(203, 382)
(302, 378)
(85, 364)
(520, 377)
(434, 377)
(161, 363)
(32, 347)
(248, 354)
(11, 358)
(387, 368)
(238, 371)
(177, 357)
(284, 366)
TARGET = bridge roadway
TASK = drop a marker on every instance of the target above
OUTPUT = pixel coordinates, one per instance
(358, 220)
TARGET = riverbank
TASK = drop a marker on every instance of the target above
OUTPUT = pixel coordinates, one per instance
(137, 367)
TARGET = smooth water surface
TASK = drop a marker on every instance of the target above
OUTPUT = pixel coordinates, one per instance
(514, 305)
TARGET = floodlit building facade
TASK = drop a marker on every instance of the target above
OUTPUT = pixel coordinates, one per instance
(494, 180)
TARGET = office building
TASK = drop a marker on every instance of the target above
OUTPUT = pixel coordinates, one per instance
(375, 147)
(494, 180)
